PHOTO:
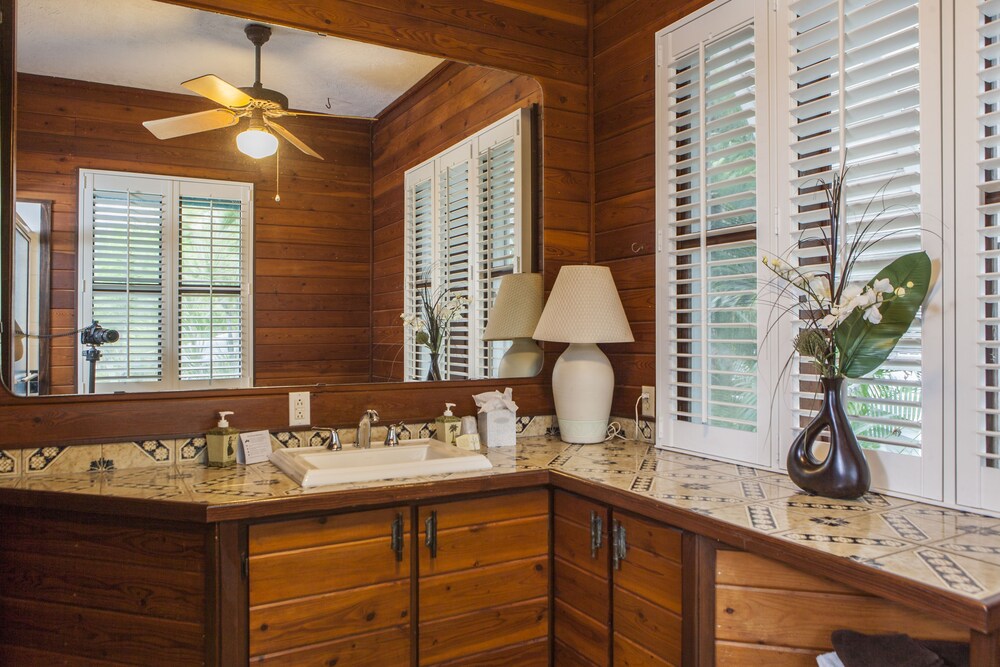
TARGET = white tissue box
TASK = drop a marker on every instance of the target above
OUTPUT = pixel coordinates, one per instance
(498, 428)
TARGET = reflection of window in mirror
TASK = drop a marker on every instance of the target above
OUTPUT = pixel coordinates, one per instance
(468, 224)
(166, 263)
(30, 291)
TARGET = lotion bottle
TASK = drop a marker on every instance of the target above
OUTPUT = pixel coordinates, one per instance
(448, 425)
(222, 443)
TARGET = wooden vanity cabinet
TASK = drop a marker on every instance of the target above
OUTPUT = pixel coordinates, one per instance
(582, 574)
(483, 581)
(618, 587)
(331, 589)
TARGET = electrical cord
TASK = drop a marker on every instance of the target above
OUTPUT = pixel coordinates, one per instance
(615, 430)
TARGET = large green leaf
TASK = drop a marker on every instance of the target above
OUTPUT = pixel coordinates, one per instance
(864, 346)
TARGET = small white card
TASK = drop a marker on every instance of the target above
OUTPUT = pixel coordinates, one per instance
(255, 447)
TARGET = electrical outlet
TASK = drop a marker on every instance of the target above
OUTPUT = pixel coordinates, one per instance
(648, 406)
(298, 408)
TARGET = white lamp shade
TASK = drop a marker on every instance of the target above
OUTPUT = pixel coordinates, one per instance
(584, 307)
(517, 307)
(257, 143)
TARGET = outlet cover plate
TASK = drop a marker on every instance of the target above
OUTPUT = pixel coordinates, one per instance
(298, 408)
(647, 408)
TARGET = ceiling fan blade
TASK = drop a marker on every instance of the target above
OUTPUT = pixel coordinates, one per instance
(217, 90)
(292, 139)
(202, 121)
(326, 115)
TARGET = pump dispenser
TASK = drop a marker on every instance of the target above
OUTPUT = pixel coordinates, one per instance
(222, 443)
(448, 425)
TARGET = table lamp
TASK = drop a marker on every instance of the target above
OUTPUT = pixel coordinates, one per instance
(513, 317)
(583, 309)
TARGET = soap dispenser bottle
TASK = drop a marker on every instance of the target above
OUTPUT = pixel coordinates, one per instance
(448, 425)
(222, 443)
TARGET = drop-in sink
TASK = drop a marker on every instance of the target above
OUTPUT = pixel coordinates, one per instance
(316, 466)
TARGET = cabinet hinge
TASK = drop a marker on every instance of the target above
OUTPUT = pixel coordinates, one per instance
(245, 565)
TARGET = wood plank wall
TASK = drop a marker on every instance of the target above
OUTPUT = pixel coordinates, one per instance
(549, 41)
(452, 103)
(312, 251)
(624, 200)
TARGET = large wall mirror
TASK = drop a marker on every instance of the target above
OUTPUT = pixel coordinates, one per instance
(219, 242)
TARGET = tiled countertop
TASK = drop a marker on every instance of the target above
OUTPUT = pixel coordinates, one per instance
(947, 550)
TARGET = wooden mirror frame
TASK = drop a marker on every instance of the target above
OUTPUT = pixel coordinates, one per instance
(517, 37)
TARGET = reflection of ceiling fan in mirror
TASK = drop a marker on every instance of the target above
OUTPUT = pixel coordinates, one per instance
(259, 104)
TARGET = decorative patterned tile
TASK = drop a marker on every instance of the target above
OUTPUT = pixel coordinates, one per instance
(125, 455)
(60, 460)
(286, 439)
(190, 450)
(944, 570)
(10, 462)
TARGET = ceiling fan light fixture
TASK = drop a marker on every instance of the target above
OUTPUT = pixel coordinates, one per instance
(257, 142)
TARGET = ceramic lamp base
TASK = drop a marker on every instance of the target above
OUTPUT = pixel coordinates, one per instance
(583, 384)
(523, 359)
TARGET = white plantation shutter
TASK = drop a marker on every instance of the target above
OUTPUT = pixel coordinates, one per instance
(468, 225)
(856, 94)
(419, 259)
(212, 287)
(498, 246)
(126, 280)
(709, 164)
(453, 266)
(167, 263)
(978, 349)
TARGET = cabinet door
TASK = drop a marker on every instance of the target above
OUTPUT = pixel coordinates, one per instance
(646, 558)
(484, 581)
(331, 590)
(581, 567)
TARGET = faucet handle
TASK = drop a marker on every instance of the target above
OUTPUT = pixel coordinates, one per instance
(392, 435)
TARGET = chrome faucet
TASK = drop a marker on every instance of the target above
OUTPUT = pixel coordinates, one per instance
(365, 429)
(392, 435)
(334, 445)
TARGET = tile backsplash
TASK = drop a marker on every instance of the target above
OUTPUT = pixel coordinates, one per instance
(145, 453)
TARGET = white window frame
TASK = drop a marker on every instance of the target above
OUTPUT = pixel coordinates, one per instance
(517, 126)
(172, 188)
(917, 476)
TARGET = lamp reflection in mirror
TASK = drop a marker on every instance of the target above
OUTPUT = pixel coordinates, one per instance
(513, 317)
(583, 309)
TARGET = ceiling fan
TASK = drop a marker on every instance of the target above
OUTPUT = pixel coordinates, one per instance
(261, 105)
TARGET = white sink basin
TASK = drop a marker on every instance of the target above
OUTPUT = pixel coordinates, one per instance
(316, 466)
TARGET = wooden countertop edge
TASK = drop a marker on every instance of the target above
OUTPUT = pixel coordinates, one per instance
(979, 615)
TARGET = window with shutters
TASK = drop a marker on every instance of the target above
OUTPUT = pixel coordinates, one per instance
(754, 108)
(977, 180)
(467, 224)
(167, 263)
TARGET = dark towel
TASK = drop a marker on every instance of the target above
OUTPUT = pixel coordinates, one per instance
(896, 650)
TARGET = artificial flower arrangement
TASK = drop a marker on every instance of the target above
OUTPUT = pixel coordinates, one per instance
(432, 324)
(849, 330)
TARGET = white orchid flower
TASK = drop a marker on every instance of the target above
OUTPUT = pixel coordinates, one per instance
(873, 314)
(884, 286)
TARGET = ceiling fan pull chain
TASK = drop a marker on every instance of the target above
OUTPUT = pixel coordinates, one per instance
(277, 175)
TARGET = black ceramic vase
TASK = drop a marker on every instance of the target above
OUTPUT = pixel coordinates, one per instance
(843, 473)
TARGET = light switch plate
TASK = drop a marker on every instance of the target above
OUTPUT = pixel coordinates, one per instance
(298, 408)
(648, 406)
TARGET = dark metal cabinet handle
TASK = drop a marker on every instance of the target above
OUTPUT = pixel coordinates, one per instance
(397, 536)
(431, 540)
(596, 533)
(619, 546)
